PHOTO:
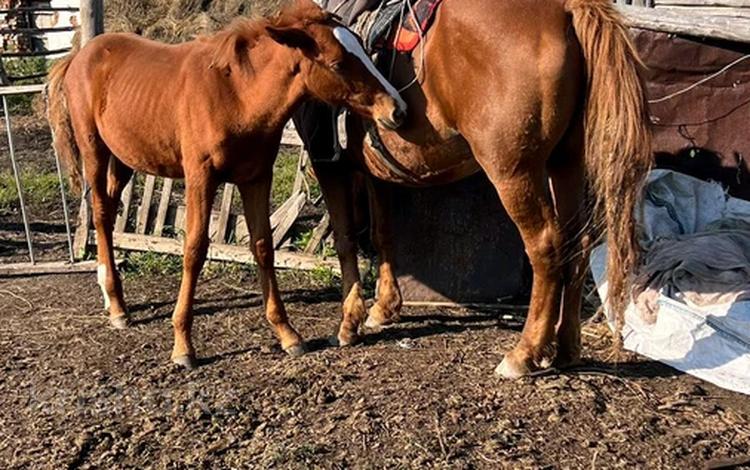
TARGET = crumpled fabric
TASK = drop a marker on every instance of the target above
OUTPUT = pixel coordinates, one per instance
(691, 308)
(705, 268)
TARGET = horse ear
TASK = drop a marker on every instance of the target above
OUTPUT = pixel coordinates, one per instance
(232, 52)
(294, 37)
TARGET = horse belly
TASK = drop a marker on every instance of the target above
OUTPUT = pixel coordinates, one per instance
(427, 151)
(441, 162)
(143, 153)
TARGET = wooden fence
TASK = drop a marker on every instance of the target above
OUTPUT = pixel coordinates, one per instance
(718, 19)
(148, 223)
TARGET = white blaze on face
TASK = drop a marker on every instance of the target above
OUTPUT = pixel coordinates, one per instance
(349, 41)
(101, 279)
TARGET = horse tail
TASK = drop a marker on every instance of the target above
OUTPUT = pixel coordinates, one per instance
(617, 136)
(63, 136)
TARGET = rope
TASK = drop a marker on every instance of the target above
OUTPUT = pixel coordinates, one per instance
(699, 82)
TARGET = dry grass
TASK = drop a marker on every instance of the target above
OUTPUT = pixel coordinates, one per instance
(179, 20)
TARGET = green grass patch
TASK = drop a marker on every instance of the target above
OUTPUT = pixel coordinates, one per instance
(148, 263)
(21, 67)
(284, 172)
(139, 263)
(39, 189)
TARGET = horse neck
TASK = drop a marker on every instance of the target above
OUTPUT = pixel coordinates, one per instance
(276, 89)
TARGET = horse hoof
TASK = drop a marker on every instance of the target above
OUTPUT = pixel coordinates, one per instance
(567, 362)
(186, 361)
(296, 350)
(347, 340)
(120, 322)
(510, 369)
(376, 318)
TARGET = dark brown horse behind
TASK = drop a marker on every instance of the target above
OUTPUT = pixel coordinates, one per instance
(544, 97)
(211, 111)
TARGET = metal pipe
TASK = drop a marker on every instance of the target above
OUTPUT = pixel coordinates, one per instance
(63, 197)
(18, 179)
(65, 208)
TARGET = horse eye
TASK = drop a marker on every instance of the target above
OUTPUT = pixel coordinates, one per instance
(336, 66)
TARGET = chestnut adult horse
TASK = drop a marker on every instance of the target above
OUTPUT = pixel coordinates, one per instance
(544, 97)
(211, 110)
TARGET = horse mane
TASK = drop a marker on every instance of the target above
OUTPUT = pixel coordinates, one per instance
(244, 33)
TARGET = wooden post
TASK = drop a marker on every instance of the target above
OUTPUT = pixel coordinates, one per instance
(92, 23)
(92, 19)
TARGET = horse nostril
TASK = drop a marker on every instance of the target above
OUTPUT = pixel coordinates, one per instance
(399, 116)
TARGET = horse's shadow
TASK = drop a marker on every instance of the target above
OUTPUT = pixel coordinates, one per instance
(209, 306)
(204, 307)
(627, 370)
(414, 327)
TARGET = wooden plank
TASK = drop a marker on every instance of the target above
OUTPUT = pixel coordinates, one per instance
(319, 233)
(81, 237)
(40, 9)
(55, 267)
(299, 177)
(241, 231)
(141, 220)
(127, 194)
(180, 224)
(473, 306)
(220, 234)
(288, 218)
(717, 12)
(41, 53)
(92, 19)
(686, 23)
(161, 212)
(290, 136)
(219, 252)
(705, 3)
(21, 89)
(281, 211)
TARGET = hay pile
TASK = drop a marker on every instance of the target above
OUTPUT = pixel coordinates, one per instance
(179, 20)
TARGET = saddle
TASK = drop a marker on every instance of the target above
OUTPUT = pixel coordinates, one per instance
(384, 26)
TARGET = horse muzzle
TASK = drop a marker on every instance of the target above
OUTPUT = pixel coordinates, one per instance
(394, 120)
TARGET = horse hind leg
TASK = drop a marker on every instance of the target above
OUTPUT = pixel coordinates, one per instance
(567, 181)
(387, 308)
(255, 203)
(106, 177)
(335, 183)
(520, 179)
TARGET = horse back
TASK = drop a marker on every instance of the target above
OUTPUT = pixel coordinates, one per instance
(141, 98)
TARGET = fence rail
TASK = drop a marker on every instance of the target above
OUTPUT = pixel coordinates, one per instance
(6, 11)
(717, 19)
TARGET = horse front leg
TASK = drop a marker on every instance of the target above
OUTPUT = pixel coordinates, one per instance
(387, 307)
(255, 197)
(200, 188)
(335, 183)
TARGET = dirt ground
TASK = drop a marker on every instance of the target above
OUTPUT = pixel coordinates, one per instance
(421, 394)
(76, 394)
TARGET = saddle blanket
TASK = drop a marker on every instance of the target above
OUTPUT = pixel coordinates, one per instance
(396, 24)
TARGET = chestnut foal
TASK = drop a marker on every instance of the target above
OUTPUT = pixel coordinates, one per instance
(210, 110)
